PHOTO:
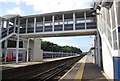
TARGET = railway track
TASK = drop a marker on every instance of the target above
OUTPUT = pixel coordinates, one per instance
(40, 72)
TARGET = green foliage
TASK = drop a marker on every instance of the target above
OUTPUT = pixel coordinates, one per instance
(48, 46)
(12, 44)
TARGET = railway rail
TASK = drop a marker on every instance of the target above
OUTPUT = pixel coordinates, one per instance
(40, 72)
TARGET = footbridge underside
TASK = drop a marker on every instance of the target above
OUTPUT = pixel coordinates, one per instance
(60, 34)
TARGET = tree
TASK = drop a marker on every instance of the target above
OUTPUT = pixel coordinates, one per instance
(48, 46)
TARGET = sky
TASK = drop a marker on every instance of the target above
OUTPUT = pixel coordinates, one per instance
(30, 7)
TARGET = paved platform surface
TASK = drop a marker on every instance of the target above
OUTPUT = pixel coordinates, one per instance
(84, 70)
(21, 64)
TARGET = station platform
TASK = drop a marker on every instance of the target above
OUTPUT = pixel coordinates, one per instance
(23, 64)
(85, 70)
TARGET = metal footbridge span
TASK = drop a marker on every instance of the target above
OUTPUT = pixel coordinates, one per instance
(66, 23)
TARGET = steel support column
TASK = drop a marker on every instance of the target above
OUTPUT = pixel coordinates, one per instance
(98, 51)
(7, 26)
(18, 26)
(27, 50)
(17, 45)
(26, 24)
(1, 25)
(15, 25)
(17, 49)
(63, 21)
(53, 22)
(43, 24)
(34, 25)
(85, 20)
(73, 21)
(0, 51)
(6, 44)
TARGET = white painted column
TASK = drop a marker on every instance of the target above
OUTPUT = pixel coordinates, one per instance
(17, 49)
(6, 41)
(85, 20)
(98, 45)
(43, 24)
(0, 51)
(24, 54)
(15, 25)
(18, 26)
(26, 24)
(37, 51)
(17, 45)
(34, 25)
(1, 25)
(73, 21)
(6, 44)
(96, 51)
(27, 50)
(7, 26)
(116, 24)
(53, 22)
(63, 21)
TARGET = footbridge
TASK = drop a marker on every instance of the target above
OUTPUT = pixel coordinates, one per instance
(67, 23)
(101, 21)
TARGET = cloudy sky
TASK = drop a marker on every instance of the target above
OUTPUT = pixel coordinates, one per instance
(29, 7)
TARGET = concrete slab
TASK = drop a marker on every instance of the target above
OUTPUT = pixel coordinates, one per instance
(92, 72)
(84, 70)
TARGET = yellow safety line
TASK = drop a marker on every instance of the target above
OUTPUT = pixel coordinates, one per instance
(106, 76)
(81, 70)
